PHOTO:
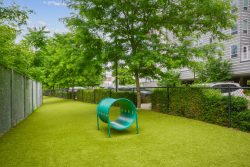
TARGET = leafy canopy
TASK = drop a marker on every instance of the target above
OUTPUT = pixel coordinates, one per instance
(152, 34)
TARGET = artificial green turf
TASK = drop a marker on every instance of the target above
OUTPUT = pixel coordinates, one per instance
(63, 133)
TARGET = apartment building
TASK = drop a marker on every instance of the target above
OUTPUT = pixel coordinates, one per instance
(237, 49)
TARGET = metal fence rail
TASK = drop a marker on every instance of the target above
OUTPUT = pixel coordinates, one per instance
(19, 97)
(227, 106)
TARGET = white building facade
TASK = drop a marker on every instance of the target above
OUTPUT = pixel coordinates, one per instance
(236, 49)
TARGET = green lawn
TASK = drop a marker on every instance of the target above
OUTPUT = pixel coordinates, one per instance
(63, 133)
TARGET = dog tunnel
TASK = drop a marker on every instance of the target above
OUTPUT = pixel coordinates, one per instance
(128, 114)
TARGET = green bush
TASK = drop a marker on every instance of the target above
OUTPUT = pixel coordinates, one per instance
(159, 100)
(239, 104)
(101, 94)
(215, 107)
(203, 104)
(88, 96)
(124, 94)
(95, 96)
(241, 120)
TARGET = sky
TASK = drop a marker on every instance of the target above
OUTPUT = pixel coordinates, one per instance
(46, 13)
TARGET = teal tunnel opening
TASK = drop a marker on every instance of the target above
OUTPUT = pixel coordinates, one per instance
(127, 113)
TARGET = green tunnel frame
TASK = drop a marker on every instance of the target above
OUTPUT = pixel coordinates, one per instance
(128, 114)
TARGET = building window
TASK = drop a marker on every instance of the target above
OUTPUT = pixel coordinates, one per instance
(245, 4)
(234, 51)
(245, 26)
(245, 53)
(234, 30)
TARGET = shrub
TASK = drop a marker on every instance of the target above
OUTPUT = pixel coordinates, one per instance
(124, 94)
(214, 107)
(241, 120)
(95, 96)
(101, 94)
(88, 96)
(203, 104)
(239, 104)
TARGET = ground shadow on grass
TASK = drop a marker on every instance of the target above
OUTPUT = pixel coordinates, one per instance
(49, 101)
(131, 131)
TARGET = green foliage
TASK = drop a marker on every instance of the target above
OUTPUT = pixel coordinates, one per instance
(215, 107)
(37, 37)
(214, 70)
(124, 94)
(170, 79)
(92, 95)
(239, 104)
(67, 65)
(124, 76)
(199, 103)
(142, 30)
(13, 15)
(12, 55)
(241, 120)
(101, 94)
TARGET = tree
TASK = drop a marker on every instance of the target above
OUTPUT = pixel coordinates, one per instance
(13, 55)
(37, 37)
(171, 79)
(13, 15)
(214, 70)
(113, 54)
(36, 40)
(67, 66)
(143, 29)
(125, 77)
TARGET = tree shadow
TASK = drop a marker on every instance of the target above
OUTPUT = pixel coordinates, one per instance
(131, 131)
(49, 101)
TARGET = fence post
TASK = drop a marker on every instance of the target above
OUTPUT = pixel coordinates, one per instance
(24, 94)
(32, 107)
(11, 98)
(168, 103)
(229, 106)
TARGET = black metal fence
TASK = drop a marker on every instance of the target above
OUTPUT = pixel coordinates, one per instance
(221, 104)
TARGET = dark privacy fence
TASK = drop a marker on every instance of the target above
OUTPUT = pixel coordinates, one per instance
(19, 97)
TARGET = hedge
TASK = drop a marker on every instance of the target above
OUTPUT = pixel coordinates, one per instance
(58, 93)
(96, 95)
(202, 104)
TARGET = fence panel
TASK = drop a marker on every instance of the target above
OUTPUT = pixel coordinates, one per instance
(34, 97)
(28, 97)
(17, 98)
(5, 100)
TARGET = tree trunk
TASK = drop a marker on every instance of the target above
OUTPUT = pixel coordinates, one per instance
(138, 91)
(116, 76)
